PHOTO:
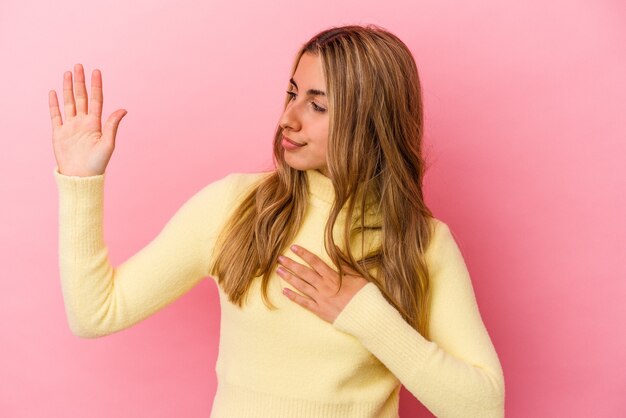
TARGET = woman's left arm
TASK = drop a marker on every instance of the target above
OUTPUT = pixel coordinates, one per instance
(455, 374)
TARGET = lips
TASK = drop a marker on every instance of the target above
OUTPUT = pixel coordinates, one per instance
(293, 142)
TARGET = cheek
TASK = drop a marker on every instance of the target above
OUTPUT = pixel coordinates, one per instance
(321, 135)
(318, 135)
(320, 143)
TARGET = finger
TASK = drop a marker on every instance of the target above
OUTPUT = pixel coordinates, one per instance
(55, 114)
(81, 90)
(302, 285)
(109, 132)
(301, 300)
(300, 270)
(314, 261)
(95, 103)
(68, 95)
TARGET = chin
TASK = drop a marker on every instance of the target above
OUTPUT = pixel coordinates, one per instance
(305, 167)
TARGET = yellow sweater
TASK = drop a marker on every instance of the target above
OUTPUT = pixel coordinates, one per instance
(287, 362)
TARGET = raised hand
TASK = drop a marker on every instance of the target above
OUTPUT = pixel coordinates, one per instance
(81, 146)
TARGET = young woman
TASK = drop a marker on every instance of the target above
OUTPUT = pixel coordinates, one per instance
(337, 285)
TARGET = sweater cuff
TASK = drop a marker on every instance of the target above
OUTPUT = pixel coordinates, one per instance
(382, 330)
(81, 212)
(77, 192)
(72, 183)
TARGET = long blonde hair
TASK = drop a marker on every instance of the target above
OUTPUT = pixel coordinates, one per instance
(374, 151)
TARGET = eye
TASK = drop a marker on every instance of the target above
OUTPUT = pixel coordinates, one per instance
(318, 108)
(315, 106)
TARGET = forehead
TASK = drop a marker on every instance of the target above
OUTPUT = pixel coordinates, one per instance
(309, 72)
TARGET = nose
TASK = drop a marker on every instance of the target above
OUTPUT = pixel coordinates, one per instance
(290, 119)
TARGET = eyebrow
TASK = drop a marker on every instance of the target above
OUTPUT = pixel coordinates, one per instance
(309, 92)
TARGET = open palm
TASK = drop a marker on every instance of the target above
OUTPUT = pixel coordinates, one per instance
(81, 146)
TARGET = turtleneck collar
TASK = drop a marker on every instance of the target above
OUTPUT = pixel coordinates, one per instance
(320, 186)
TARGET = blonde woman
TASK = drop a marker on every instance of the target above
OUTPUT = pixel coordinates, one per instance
(337, 284)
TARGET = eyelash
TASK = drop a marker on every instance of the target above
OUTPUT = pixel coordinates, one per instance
(316, 107)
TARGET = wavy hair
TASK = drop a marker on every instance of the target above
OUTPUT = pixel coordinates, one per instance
(374, 155)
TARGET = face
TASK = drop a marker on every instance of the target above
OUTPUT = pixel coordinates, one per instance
(305, 120)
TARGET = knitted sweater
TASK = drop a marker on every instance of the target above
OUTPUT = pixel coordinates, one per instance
(286, 362)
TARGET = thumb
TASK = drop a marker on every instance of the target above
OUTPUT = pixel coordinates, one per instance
(109, 130)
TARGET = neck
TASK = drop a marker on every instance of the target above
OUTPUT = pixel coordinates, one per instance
(320, 185)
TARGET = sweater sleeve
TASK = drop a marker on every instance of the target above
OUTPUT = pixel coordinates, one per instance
(101, 299)
(455, 374)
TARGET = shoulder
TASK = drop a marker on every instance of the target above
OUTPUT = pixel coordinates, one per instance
(246, 180)
(239, 184)
(224, 190)
(443, 247)
(230, 188)
(439, 231)
(234, 183)
(216, 199)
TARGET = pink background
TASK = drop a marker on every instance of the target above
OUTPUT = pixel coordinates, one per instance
(525, 134)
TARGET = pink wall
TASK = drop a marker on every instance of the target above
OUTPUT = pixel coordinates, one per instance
(526, 138)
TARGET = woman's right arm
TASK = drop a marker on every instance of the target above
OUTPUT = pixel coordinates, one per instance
(100, 299)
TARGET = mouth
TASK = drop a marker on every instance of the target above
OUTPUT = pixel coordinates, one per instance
(293, 142)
